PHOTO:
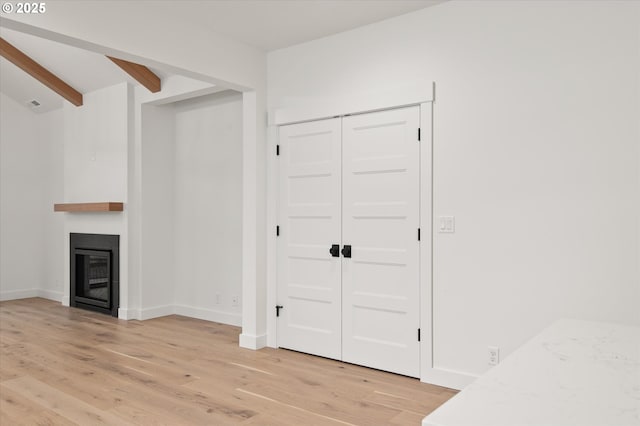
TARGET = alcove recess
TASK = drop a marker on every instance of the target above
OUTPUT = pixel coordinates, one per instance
(107, 206)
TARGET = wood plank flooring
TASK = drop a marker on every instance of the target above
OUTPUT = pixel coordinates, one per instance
(66, 366)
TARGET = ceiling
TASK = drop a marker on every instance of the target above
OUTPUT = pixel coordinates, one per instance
(275, 24)
(85, 71)
(264, 24)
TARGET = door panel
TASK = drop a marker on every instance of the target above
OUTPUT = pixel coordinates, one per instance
(309, 278)
(380, 193)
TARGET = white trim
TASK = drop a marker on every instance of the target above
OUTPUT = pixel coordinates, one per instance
(56, 296)
(253, 222)
(249, 213)
(65, 300)
(426, 246)
(354, 103)
(128, 314)
(18, 294)
(155, 312)
(447, 378)
(222, 317)
(272, 222)
(250, 341)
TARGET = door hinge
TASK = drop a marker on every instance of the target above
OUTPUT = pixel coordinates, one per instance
(418, 133)
(278, 307)
(277, 149)
(418, 234)
(277, 230)
(418, 335)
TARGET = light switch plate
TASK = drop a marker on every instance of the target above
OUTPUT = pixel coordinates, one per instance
(447, 224)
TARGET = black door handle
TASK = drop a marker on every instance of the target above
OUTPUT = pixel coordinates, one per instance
(346, 250)
(335, 250)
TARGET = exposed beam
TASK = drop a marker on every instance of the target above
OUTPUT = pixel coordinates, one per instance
(40, 73)
(144, 75)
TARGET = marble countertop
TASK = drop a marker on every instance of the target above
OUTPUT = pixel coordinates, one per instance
(578, 373)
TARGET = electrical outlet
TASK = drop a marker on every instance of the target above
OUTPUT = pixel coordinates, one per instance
(217, 298)
(234, 301)
(494, 355)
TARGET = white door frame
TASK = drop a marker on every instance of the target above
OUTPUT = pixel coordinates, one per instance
(421, 94)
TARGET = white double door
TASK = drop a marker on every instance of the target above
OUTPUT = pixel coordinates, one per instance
(348, 249)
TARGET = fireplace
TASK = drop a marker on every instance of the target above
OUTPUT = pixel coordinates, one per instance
(95, 272)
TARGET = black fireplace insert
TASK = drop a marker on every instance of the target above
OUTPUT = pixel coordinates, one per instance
(95, 272)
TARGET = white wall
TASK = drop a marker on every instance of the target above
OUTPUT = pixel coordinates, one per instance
(51, 140)
(21, 215)
(151, 167)
(191, 207)
(227, 63)
(190, 152)
(96, 138)
(30, 179)
(535, 154)
(158, 211)
(208, 207)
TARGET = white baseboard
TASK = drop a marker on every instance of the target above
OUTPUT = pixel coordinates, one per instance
(222, 317)
(447, 378)
(250, 341)
(56, 296)
(155, 312)
(128, 314)
(229, 318)
(18, 294)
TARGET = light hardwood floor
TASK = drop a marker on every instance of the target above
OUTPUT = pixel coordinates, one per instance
(65, 366)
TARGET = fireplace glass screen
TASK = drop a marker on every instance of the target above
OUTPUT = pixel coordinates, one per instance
(93, 277)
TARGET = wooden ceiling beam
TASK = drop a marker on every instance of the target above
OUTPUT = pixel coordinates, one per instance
(40, 73)
(142, 74)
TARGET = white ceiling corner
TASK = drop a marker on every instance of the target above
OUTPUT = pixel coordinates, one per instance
(276, 24)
